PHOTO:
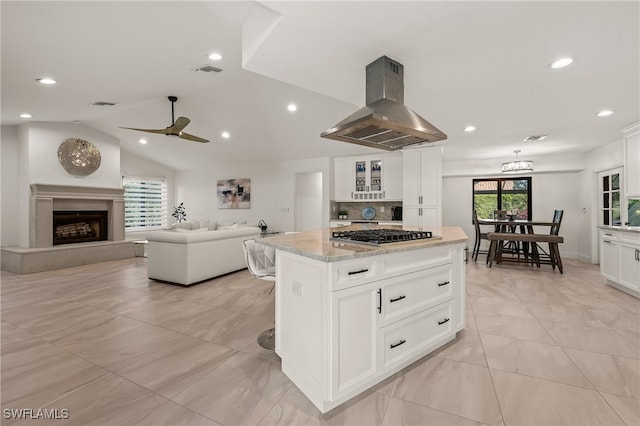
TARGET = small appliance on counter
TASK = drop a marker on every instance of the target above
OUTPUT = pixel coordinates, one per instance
(262, 225)
(396, 213)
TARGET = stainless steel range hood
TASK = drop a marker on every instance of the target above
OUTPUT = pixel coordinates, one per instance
(385, 122)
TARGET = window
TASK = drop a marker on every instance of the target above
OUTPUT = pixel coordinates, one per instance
(610, 193)
(145, 203)
(512, 194)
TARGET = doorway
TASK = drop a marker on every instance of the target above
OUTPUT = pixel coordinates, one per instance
(307, 213)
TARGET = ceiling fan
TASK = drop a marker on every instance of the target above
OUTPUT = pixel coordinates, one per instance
(176, 127)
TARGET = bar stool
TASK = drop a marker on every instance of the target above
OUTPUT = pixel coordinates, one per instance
(261, 263)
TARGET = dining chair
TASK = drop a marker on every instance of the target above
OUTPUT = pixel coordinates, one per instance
(552, 254)
(479, 237)
(261, 263)
(500, 214)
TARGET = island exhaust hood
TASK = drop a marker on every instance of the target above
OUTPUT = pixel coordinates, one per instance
(384, 122)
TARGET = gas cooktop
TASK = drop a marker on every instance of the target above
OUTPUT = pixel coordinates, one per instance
(380, 236)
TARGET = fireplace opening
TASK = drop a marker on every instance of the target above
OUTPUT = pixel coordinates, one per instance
(79, 226)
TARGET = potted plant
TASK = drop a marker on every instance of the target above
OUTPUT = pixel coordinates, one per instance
(179, 213)
(342, 214)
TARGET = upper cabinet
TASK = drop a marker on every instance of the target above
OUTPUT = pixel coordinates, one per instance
(367, 178)
(422, 186)
(632, 160)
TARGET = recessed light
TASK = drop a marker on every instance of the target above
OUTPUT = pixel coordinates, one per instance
(215, 56)
(561, 63)
(46, 80)
(470, 129)
(143, 141)
(226, 135)
(535, 138)
(292, 107)
(25, 115)
(604, 113)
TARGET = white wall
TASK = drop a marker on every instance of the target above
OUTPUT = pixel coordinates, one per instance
(550, 191)
(308, 201)
(9, 185)
(272, 191)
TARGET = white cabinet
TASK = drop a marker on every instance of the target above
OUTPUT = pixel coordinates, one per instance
(609, 258)
(632, 161)
(620, 259)
(629, 266)
(343, 179)
(367, 178)
(422, 186)
(354, 346)
(344, 326)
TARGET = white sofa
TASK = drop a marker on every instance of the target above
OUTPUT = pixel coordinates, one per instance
(190, 257)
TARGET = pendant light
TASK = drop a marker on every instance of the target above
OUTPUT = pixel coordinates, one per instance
(517, 166)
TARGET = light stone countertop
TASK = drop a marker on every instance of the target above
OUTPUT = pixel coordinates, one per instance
(317, 244)
(621, 228)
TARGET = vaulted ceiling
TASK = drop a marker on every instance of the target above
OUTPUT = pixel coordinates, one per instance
(465, 63)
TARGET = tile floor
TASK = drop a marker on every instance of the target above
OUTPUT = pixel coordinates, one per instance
(113, 348)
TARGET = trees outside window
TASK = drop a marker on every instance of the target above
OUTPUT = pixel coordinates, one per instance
(512, 194)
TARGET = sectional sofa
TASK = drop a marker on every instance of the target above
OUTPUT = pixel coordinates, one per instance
(188, 256)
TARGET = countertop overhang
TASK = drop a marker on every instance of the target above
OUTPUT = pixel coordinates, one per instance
(621, 228)
(318, 245)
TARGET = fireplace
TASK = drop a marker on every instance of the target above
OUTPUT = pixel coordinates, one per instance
(77, 226)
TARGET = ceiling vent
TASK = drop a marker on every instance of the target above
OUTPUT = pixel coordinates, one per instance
(102, 103)
(208, 68)
(535, 138)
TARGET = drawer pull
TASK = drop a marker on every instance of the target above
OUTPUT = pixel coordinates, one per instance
(379, 300)
(401, 342)
(397, 298)
(608, 235)
(444, 283)
(361, 271)
(443, 321)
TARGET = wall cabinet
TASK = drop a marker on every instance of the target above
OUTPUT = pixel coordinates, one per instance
(620, 259)
(422, 186)
(367, 178)
(632, 161)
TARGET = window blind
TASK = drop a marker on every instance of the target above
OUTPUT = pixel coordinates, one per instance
(145, 203)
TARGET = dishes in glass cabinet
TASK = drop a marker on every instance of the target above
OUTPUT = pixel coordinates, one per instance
(368, 213)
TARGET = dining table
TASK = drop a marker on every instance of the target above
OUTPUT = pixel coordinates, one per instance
(525, 227)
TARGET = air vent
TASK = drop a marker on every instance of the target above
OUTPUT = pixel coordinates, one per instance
(102, 103)
(208, 68)
(535, 138)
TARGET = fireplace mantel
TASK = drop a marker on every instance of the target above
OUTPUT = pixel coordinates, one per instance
(46, 198)
(79, 192)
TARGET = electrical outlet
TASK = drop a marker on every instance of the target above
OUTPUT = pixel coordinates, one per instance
(297, 288)
(381, 209)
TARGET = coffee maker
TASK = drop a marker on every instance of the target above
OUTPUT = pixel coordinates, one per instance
(396, 213)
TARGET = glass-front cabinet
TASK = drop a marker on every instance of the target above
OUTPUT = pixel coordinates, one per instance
(375, 177)
(368, 178)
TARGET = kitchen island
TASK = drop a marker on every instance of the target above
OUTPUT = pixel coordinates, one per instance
(350, 315)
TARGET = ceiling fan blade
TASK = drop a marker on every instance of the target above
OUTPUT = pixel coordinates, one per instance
(180, 124)
(189, 137)
(158, 131)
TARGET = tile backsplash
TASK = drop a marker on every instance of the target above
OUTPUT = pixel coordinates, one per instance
(354, 209)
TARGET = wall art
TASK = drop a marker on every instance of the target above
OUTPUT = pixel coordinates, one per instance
(234, 194)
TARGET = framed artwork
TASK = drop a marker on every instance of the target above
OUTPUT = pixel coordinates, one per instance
(234, 194)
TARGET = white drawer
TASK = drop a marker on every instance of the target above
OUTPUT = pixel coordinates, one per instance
(412, 335)
(411, 293)
(629, 237)
(414, 260)
(349, 273)
(608, 234)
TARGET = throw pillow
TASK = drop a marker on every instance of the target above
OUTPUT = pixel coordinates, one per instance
(209, 224)
(183, 225)
(234, 226)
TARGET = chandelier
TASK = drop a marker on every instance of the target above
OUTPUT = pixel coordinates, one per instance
(517, 166)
